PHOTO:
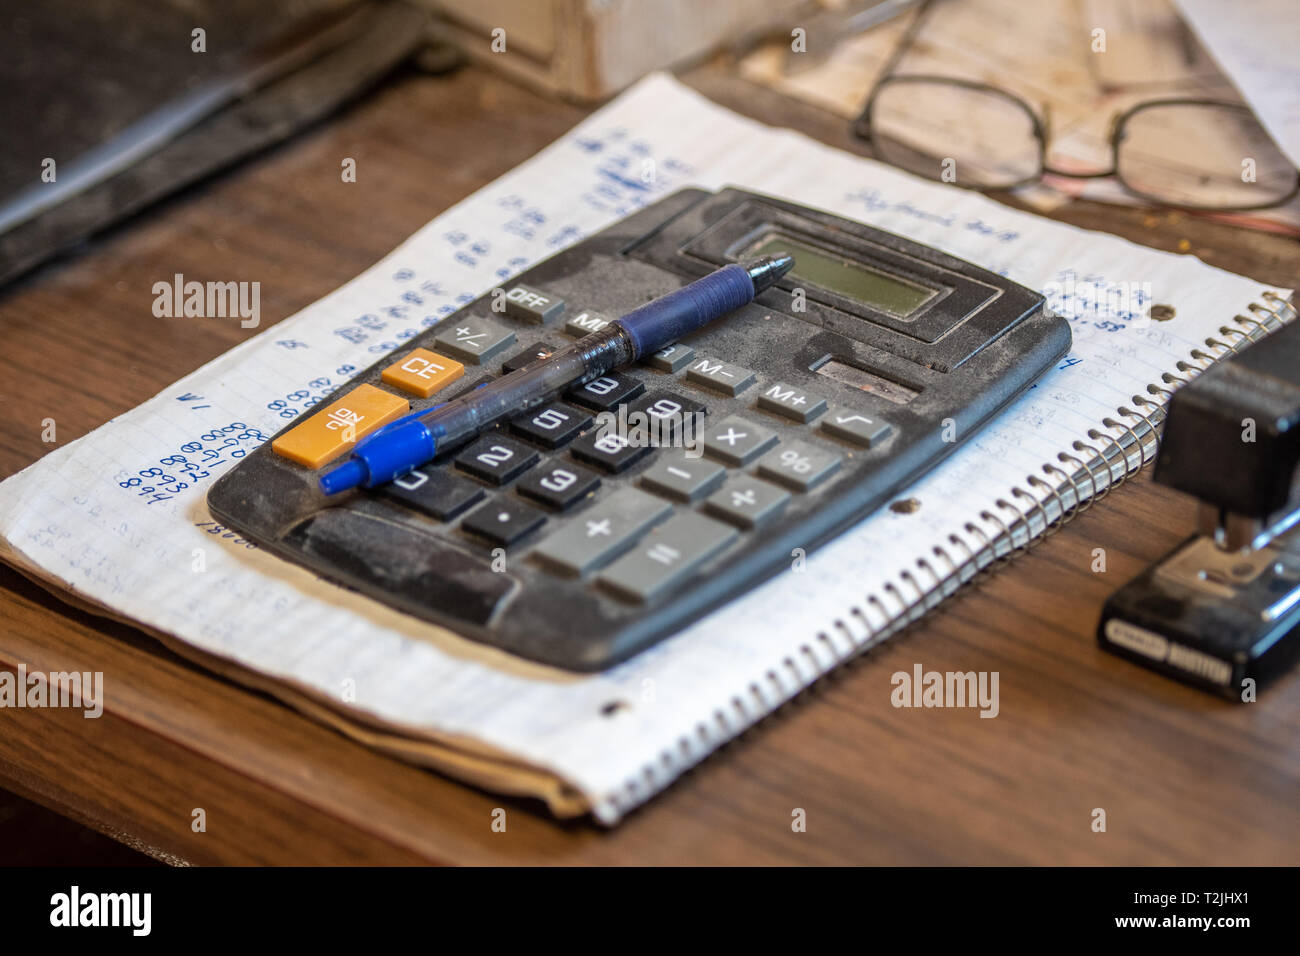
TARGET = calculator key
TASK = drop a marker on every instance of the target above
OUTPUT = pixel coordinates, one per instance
(422, 373)
(718, 375)
(474, 340)
(799, 465)
(601, 394)
(791, 402)
(853, 426)
(337, 427)
(608, 449)
(737, 441)
(671, 358)
(551, 425)
(525, 302)
(747, 502)
(560, 485)
(529, 355)
(681, 478)
(667, 556)
(434, 492)
(586, 322)
(598, 534)
(496, 459)
(669, 414)
(503, 521)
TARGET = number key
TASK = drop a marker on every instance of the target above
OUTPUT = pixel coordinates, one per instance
(496, 459)
(609, 449)
(533, 353)
(558, 484)
(434, 491)
(602, 394)
(668, 413)
(551, 425)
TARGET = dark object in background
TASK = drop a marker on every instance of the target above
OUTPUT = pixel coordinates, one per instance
(1224, 606)
(114, 92)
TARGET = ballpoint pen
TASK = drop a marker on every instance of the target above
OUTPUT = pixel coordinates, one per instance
(409, 442)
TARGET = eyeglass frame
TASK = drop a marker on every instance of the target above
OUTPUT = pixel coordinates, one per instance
(862, 128)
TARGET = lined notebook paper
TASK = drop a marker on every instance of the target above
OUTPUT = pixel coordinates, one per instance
(78, 522)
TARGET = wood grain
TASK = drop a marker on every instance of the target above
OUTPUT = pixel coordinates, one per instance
(1184, 778)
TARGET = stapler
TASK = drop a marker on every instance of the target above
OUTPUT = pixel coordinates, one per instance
(1222, 610)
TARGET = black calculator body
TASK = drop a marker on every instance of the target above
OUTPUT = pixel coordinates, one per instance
(562, 539)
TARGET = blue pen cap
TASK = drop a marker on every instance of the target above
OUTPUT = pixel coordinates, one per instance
(387, 454)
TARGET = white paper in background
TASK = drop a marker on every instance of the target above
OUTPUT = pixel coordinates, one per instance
(1255, 41)
(80, 515)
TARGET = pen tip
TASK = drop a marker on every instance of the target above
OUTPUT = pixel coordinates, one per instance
(766, 271)
(347, 475)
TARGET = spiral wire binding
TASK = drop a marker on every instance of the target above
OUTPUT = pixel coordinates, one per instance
(1015, 524)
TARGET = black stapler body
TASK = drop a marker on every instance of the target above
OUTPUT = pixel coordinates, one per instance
(1222, 610)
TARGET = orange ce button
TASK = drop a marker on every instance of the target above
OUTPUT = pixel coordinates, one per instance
(422, 373)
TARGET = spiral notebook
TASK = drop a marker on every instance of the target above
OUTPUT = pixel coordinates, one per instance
(602, 743)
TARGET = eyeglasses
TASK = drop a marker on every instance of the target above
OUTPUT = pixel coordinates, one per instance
(1191, 153)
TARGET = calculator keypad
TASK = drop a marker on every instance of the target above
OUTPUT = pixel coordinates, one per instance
(641, 537)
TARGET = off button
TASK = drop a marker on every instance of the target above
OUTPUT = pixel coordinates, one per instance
(525, 302)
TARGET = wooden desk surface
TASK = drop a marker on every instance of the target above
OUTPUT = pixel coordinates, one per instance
(1184, 778)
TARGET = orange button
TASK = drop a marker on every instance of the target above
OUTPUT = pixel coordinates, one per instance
(423, 372)
(336, 428)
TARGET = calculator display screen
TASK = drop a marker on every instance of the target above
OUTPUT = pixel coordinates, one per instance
(852, 280)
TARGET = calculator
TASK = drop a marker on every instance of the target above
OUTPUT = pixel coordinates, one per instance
(574, 537)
